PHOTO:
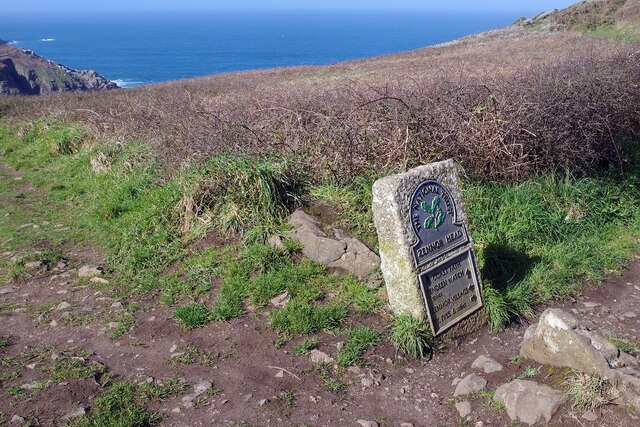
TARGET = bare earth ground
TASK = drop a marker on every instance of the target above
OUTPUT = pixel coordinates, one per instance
(244, 364)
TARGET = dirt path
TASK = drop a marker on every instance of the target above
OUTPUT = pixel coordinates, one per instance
(256, 381)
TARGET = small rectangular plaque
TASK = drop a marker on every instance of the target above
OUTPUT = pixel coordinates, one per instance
(451, 291)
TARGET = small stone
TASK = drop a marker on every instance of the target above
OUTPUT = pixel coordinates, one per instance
(248, 396)
(176, 410)
(23, 226)
(469, 384)
(366, 382)
(281, 300)
(53, 324)
(61, 265)
(406, 425)
(63, 306)
(17, 419)
(435, 396)
(409, 370)
(28, 386)
(14, 259)
(464, 408)
(630, 315)
(198, 389)
(33, 264)
(589, 304)
(276, 242)
(354, 370)
(487, 364)
(589, 416)
(90, 270)
(280, 374)
(32, 365)
(320, 356)
(365, 423)
(116, 305)
(113, 325)
(263, 402)
(99, 280)
(75, 413)
(313, 399)
(8, 290)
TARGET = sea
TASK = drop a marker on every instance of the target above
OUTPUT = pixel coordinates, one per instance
(136, 48)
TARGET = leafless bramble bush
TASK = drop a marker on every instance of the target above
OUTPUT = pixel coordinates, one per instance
(504, 122)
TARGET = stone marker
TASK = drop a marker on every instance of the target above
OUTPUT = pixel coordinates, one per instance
(427, 256)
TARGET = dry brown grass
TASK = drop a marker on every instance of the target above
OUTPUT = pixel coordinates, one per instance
(506, 104)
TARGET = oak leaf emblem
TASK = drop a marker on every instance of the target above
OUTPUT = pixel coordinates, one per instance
(435, 214)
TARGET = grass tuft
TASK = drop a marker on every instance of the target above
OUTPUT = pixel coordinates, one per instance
(588, 393)
(411, 336)
(193, 315)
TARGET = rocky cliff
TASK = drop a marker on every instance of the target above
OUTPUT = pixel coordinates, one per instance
(22, 72)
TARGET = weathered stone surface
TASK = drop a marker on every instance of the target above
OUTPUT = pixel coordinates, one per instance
(391, 207)
(198, 389)
(529, 402)
(75, 413)
(559, 340)
(33, 264)
(469, 384)
(281, 300)
(487, 364)
(463, 408)
(339, 251)
(100, 280)
(320, 356)
(8, 290)
(90, 270)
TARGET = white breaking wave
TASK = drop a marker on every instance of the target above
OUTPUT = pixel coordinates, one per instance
(47, 40)
(126, 83)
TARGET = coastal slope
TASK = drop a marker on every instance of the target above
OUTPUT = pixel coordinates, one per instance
(22, 72)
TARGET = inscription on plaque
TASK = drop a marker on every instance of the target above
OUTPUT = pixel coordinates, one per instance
(434, 220)
(450, 291)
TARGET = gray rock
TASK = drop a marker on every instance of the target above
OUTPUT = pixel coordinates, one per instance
(365, 423)
(63, 306)
(17, 419)
(464, 408)
(590, 416)
(75, 413)
(276, 242)
(90, 270)
(589, 304)
(487, 364)
(198, 389)
(281, 300)
(559, 340)
(33, 264)
(320, 356)
(263, 402)
(100, 280)
(339, 251)
(528, 401)
(8, 290)
(469, 384)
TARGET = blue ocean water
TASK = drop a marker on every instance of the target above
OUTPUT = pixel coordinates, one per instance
(140, 48)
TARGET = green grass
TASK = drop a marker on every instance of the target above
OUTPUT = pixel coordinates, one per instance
(588, 393)
(537, 240)
(623, 344)
(305, 346)
(410, 336)
(615, 32)
(359, 339)
(169, 389)
(193, 315)
(530, 372)
(119, 407)
(301, 317)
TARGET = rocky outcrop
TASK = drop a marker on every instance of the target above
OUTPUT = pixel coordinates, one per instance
(559, 340)
(22, 72)
(337, 250)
